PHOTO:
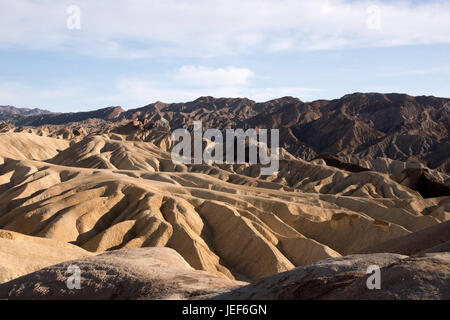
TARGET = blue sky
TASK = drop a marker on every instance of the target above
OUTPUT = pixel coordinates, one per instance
(135, 52)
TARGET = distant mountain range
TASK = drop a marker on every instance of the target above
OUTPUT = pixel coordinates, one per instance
(10, 112)
(395, 126)
(38, 117)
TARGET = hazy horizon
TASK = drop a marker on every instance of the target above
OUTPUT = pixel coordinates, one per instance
(43, 108)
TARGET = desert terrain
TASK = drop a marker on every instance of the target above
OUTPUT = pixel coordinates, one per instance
(363, 180)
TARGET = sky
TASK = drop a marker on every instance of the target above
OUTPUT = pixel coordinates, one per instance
(83, 55)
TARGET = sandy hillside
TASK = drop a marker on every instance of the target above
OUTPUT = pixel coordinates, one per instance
(118, 188)
(20, 254)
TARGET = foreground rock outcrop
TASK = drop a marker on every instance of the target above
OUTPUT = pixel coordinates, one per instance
(161, 273)
(402, 277)
(146, 273)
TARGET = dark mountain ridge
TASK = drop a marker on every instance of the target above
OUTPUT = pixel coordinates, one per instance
(110, 113)
(8, 112)
(396, 126)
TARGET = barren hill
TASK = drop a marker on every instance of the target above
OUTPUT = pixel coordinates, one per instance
(371, 125)
(104, 181)
(8, 112)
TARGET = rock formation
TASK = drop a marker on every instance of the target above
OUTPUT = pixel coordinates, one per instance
(106, 182)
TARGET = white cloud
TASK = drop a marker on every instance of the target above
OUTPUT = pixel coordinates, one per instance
(138, 28)
(211, 77)
(186, 84)
(133, 92)
(281, 45)
(414, 72)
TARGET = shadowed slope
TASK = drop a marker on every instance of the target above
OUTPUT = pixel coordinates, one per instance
(429, 240)
(150, 273)
(402, 277)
